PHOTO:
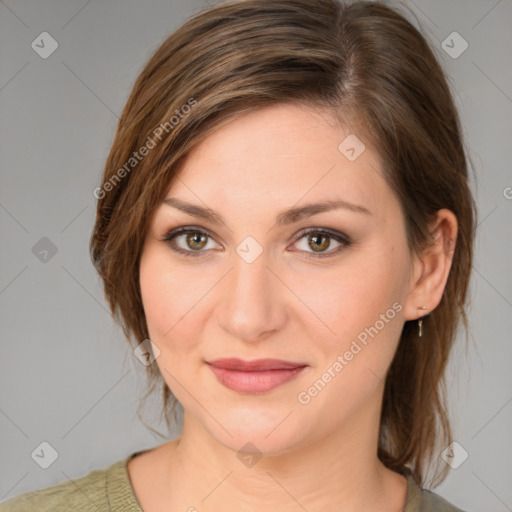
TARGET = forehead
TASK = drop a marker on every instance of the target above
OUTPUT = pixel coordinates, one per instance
(276, 157)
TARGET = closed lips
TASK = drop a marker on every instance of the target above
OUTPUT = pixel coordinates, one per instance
(258, 376)
(259, 365)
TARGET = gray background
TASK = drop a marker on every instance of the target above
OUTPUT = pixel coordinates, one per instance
(66, 376)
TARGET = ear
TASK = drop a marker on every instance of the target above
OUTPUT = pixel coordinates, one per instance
(432, 267)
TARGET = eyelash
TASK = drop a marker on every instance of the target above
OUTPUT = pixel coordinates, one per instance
(339, 237)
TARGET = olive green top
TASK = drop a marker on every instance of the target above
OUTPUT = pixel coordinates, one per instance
(110, 489)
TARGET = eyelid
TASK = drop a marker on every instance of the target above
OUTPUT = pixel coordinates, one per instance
(331, 232)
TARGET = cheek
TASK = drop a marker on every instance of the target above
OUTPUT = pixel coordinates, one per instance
(364, 312)
(360, 304)
(171, 297)
(157, 302)
(352, 296)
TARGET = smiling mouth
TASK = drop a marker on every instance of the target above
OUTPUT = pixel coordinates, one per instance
(254, 376)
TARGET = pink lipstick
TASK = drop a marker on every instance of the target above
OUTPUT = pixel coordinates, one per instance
(256, 376)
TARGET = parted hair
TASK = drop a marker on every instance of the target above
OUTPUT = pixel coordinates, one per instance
(377, 75)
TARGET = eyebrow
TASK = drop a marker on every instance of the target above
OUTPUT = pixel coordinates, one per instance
(286, 217)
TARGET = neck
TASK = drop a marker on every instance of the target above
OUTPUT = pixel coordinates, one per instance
(339, 468)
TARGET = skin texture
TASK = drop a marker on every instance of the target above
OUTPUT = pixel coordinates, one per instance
(282, 305)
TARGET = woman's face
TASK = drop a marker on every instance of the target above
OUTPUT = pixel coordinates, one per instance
(255, 286)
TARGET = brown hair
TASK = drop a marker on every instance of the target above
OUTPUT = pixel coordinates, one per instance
(365, 64)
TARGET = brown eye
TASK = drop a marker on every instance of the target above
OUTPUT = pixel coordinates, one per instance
(319, 240)
(196, 240)
(193, 242)
(187, 241)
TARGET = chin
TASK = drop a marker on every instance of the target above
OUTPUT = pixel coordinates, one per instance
(255, 430)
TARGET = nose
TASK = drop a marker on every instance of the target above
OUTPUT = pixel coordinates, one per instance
(252, 305)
